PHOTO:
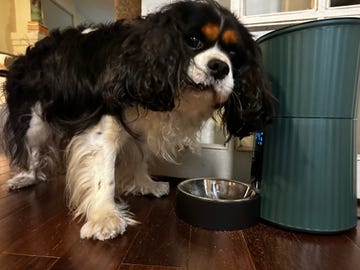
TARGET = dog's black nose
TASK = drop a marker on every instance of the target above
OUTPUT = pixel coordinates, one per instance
(218, 69)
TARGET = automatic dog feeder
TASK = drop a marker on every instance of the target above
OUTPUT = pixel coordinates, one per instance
(308, 180)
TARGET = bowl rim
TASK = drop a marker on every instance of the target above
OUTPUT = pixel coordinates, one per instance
(249, 188)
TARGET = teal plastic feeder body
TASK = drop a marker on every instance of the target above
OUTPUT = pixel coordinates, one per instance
(309, 168)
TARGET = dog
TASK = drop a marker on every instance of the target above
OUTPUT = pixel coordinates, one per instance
(111, 97)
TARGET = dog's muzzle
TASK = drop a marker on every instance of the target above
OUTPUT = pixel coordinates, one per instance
(211, 69)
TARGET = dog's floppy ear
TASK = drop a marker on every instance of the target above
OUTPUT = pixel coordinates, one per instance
(152, 63)
(250, 106)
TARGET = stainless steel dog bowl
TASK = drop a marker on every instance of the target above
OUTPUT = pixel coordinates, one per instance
(217, 204)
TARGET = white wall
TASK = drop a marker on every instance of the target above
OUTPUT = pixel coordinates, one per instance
(149, 6)
(57, 15)
(225, 3)
(15, 14)
(7, 25)
(70, 7)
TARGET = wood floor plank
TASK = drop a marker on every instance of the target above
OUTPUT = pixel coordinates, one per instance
(213, 250)
(354, 234)
(15, 200)
(4, 164)
(40, 202)
(4, 176)
(4, 188)
(52, 238)
(93, 254)
(328, 252)
(148, 267)
(19, 262)
(164, 239)
(19, 199)
(272, 248)
(35, 222)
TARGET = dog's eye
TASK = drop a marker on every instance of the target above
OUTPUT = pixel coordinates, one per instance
(195, 43)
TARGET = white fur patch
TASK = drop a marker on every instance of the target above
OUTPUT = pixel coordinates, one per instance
(88, 30)
(199, 72)
(36, 136)
(38, 131)
(91, 180)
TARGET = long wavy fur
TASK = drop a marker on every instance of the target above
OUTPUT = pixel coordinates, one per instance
(78, 77)
(115, 97)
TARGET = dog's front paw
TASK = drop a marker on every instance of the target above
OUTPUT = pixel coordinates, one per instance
(148, 187)
(107, 226)
(159, 189)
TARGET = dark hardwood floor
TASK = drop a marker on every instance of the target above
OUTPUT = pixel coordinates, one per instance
(37, 232)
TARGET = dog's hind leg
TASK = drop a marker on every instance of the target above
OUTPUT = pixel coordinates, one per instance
(91, 180)
(36, 135)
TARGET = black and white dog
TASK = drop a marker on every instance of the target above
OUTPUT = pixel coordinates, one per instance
(111, 97)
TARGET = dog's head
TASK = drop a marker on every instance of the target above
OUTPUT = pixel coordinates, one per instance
(200, 45)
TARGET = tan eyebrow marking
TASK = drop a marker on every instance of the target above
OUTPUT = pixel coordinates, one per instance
(229, 36)
(211, 31)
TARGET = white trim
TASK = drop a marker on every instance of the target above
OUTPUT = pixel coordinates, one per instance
(321, 10)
